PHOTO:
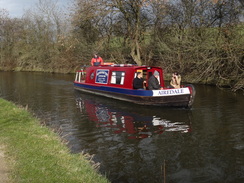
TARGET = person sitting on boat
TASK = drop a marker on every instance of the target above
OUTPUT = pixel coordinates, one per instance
(153, 83)
(138, 81)
(175, 80)
(96, 60)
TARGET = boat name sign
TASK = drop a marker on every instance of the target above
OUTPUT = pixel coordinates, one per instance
(170, 92)
(102, 76)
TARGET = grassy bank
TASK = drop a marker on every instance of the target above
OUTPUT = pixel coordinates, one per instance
(36, 154)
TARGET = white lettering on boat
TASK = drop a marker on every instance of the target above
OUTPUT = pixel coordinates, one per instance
(102, 76)
(171, 92)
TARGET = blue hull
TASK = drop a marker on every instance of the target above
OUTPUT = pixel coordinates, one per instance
(168, 97)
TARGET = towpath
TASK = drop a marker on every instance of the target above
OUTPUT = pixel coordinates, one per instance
(4, 170)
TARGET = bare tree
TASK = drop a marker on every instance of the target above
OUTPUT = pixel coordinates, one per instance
(10, 34)
(127, 19)
(46, 25)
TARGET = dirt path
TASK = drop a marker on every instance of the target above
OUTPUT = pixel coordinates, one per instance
(4, 171)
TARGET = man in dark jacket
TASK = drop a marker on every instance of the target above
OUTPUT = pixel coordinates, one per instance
(138, 81)
(153, 83)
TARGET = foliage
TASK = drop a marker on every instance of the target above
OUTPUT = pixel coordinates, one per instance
(197, 38)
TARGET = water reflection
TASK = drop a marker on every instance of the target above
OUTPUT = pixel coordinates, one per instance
(136, 124)
(204, 144)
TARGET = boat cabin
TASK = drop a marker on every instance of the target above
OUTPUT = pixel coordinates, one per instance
(117, 75)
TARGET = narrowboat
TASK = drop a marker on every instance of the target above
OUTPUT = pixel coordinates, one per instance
(116, 81)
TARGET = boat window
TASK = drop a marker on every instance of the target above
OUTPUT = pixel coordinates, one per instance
(149, 74)
(118, 77)
(77, 76)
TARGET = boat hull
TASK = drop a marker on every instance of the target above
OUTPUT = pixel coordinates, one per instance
(182, 97)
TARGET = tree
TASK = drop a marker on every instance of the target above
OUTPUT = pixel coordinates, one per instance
(45, 26)
(10, 34)
(127, 19)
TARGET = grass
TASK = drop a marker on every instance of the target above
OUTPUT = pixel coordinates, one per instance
(37, 154)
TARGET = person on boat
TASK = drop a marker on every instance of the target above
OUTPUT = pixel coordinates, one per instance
(138, 81)
(153, 83)
(96, 60)
(175, 80)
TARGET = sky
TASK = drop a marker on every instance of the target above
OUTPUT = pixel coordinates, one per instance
(16, 8)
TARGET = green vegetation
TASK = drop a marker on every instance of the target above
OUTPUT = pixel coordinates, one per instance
(36, 154)
(202, 40)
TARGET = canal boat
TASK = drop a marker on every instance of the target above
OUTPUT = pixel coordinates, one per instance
(116, 81)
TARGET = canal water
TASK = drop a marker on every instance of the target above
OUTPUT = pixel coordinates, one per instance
(138, 144)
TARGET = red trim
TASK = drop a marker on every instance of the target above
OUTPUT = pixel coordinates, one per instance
(129, 70)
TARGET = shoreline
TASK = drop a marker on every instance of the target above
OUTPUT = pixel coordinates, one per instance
(234, 85)
(31, 152)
